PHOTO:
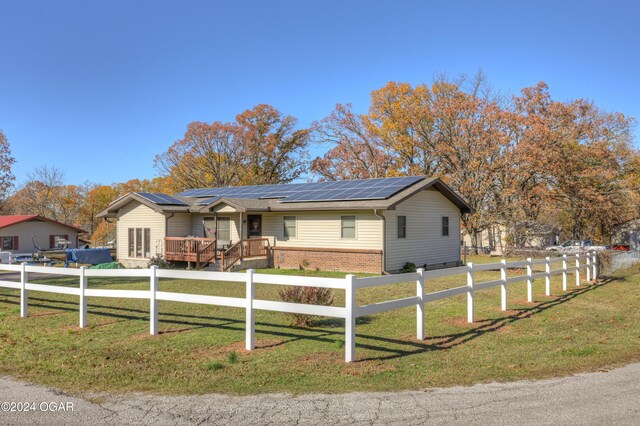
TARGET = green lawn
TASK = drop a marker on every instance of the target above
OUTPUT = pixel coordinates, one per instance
(589, 327)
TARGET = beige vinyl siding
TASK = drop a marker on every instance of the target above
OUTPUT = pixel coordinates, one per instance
(322, 230)
(137, 215)
(179, 225)
(41, 231)
(424, 243)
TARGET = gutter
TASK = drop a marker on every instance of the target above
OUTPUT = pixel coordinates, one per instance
(384, 240)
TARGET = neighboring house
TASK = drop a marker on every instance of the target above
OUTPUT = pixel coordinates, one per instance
(494, 238)
(368, 225)
(28, 233)
(627, 233)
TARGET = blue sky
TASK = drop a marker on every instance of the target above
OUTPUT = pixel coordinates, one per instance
(98, 88)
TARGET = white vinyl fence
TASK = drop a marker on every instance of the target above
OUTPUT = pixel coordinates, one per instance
(350, 284)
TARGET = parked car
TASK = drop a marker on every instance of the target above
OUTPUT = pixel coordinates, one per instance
(574, 246)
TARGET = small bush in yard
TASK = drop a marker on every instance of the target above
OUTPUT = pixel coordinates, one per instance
(307, 296)
(232, 357)
(214, 366)
(160, 262)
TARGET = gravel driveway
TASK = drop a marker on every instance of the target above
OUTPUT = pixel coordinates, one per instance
(606, 397)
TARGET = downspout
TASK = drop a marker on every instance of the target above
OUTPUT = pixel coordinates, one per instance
(384, 240)
(164, 240)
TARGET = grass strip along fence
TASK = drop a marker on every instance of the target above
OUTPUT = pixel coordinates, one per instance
(586, 262)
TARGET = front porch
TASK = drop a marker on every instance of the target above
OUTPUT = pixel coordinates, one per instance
(205, 251)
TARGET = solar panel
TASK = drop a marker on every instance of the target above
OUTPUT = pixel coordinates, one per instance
(162, 199)
(361, 189)
(207, 201)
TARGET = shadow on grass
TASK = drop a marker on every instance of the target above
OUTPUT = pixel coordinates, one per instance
(325, 330)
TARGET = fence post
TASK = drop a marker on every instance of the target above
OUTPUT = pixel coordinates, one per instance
(153, 302)
(250, 316)
(547, 277)
(83, 297)
(588, 267)
(503, 288)
(470, 279)
(420, 305)
(24, 294)
(564, 272)
(529, 280)
(594, 265)
(578, 269)
(350, 319)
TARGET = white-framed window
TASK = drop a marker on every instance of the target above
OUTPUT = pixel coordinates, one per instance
(348, 227)
(402, 226)
(224, 230)
(290, 226)
(9, 243)
(139, 243)
(445, 226)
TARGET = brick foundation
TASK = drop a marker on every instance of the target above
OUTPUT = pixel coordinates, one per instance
(344, 260)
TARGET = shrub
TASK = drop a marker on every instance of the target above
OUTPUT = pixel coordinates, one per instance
(232, 357)
(160, 262)
(305, 295)
(214, 366)
(408, 267)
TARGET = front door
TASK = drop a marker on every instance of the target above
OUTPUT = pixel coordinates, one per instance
(254, 226)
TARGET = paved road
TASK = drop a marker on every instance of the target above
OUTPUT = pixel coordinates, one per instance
(611, 397)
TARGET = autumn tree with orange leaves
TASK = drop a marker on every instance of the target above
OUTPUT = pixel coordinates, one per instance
(262, 146)
(525, 162)
(6, 161)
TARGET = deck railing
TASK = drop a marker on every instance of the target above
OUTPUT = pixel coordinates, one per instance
(199, 250)
(253, 247)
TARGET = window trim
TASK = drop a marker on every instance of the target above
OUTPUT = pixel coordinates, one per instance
(404, 227)
(139, 241)
(284, 227)
(13, 240)
(445, 228)
(226, 219)
(146, 243)
(355, 227)
(131, 242)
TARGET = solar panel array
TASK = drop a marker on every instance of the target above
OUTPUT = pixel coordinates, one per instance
(207, 201)
(162, 199)
(362, 189)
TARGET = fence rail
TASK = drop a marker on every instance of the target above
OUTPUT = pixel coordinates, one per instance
(350, 284)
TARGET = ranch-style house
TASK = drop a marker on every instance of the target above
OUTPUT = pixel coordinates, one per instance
(366, 225)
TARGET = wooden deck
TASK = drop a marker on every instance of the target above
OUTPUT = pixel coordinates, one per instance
(183, 249)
